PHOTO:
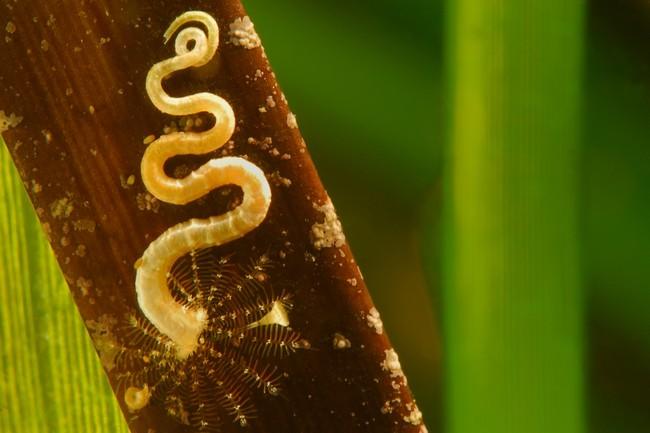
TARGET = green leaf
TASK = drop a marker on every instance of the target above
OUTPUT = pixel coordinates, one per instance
(50, 376)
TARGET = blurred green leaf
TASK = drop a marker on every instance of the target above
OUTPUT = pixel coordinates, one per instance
(512, 300)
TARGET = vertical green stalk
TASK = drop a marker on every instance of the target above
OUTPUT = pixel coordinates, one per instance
(513, 312)
(50, 378)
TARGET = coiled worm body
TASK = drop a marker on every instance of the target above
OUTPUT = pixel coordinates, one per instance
(181, 324)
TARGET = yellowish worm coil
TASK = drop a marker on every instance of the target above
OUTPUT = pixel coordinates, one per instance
(182, 325)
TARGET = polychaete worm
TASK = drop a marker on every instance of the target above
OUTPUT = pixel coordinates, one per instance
(194, 47)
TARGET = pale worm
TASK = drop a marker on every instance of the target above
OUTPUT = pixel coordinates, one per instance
(194, 47)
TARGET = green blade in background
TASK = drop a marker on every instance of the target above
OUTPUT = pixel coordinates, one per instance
(512, 308)
(50, 377)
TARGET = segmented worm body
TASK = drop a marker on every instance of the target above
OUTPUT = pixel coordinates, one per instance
(194, 47)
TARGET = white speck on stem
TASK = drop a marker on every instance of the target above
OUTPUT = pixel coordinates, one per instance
(292, 122)
(392, 365)
(374, 320)
(329, 233)
(242, 34)
(341, 342)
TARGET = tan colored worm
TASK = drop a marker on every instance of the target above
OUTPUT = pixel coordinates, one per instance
(183, 325)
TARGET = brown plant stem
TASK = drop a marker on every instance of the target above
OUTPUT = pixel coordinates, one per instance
(74, 71)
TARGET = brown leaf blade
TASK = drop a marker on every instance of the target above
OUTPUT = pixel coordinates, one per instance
(75, 73)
